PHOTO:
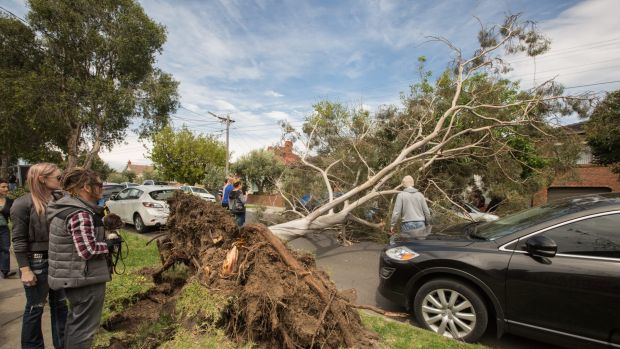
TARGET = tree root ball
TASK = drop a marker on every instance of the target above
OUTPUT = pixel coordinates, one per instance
(277, 298)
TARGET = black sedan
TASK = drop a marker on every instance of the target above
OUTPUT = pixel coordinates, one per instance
(550, 272)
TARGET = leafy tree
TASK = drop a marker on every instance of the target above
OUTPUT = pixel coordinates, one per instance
(184, 156)
(213, 178)
(116, 177)
(470, 120)
(603, 130)
(152, 174)
(261, 167)
(129, 175)
(97, 66)
(25, 132)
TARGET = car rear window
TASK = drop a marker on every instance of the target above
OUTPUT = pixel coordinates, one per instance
(163, 194)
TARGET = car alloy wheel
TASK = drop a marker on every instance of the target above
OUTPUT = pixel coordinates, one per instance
(138, 223)
(451, 309)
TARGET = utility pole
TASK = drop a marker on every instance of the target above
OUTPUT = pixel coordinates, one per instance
(227, 120)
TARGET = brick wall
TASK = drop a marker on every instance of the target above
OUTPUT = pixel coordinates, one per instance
(266, 200)
(582, 176)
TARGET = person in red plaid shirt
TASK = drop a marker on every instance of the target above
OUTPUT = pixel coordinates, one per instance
(77, 254)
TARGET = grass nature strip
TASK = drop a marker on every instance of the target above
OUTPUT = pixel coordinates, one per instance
(129, 287)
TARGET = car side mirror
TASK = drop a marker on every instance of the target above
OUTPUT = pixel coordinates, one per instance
(541, 246)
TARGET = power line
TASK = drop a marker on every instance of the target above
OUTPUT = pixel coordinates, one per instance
(577, 48)
(14, 15)
(595, 84)
(193, 112)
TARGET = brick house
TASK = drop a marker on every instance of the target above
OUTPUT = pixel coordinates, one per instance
(584, 178)
(285, 152)
(138, 169)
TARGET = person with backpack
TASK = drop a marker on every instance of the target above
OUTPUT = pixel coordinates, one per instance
(236, 202)
(410, 208)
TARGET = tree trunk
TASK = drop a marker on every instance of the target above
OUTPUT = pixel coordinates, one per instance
(90, 157)
(4, 165)
(300, 227)
(73, 146)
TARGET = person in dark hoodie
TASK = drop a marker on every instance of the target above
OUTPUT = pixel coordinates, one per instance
(410, 208)
(5, 239)
(30, 236)
(77, 254)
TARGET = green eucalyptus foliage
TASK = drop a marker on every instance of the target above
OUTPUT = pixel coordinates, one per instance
(88, 69)
(260, 167)
(184, 156)
(603, 130)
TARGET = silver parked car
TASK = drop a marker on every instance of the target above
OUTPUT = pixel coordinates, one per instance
(143, 206)
(200, 192)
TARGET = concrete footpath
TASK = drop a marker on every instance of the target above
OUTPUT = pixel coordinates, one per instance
(12, 303)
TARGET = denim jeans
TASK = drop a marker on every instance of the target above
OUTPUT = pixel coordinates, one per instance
(32, 337)
(5, 245)
(406, 227)
(408, 230)
(239, 218)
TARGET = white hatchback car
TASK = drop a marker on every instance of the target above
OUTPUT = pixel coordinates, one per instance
(142, 206)
(201, 192)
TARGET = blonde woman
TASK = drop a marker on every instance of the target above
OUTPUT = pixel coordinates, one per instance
(30, 244)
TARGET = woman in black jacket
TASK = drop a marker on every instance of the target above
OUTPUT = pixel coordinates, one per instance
(30, 244)
(5, 241)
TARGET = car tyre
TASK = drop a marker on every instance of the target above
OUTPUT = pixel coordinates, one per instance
(451, 308)
(138, 223)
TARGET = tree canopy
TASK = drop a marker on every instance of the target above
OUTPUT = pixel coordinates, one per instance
(87, 68)
(184, 156)
(261, 167)
(603, 130)
(469, 120)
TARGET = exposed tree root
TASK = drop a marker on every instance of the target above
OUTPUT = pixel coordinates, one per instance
(277, 298)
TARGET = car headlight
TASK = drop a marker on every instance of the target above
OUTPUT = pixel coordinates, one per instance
(401, 253)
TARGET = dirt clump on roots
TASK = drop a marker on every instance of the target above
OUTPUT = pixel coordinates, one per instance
(277, 298)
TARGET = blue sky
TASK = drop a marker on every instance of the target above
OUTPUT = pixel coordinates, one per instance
(265, 61)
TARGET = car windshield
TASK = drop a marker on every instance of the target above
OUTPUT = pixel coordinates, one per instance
(199, 190)
(161, 183)
(530, 217)
(162, 195)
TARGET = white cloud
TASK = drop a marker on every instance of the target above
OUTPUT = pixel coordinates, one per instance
(277, 115)
(272, 93)
(130, 150)
(585, 48)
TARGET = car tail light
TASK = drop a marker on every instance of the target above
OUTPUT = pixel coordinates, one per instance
(152, 205)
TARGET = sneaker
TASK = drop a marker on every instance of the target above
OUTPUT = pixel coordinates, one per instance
(4, 275)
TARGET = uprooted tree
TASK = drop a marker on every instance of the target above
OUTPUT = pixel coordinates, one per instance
(472, 120)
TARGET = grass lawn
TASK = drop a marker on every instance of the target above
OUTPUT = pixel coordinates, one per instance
(125, 289)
